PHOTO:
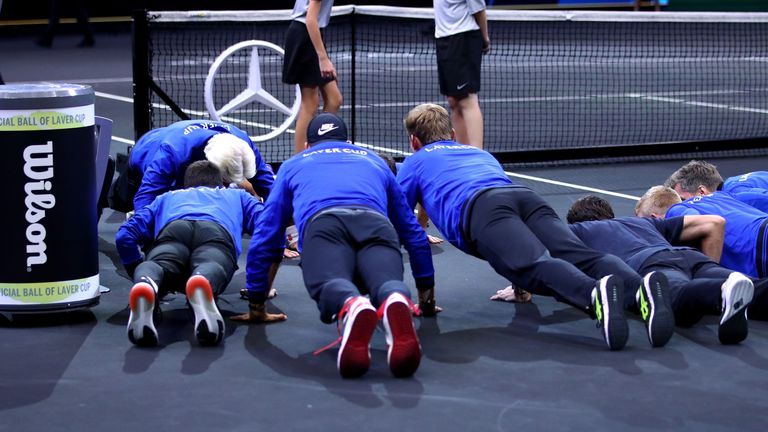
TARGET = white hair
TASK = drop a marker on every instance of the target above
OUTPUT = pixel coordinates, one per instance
(233, 156)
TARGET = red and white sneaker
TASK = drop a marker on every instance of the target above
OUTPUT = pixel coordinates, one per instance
(141, 326)
(209, 325)
(358, 318)
(404, 353)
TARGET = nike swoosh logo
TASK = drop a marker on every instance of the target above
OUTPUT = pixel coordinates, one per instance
(459, 87)
(323, 131)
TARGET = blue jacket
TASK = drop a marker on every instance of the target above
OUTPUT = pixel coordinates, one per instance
(742, 224)
(233, 209)
(332, 174)
(442, 176)
(750, 188)
(162, 155)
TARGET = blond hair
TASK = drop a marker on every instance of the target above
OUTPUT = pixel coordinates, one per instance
(656, 201)
(429, 123)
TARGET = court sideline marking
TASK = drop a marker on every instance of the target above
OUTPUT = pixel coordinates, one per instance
(402, 153)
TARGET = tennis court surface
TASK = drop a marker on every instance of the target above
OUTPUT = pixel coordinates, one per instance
(487, 366)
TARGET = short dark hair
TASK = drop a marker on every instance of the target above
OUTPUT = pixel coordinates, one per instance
(589, 208)
(390, 162)
(203, 173)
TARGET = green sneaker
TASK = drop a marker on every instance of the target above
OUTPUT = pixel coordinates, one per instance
(608, 305)
(653, 301)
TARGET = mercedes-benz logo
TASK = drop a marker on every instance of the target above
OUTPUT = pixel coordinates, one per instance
(254, 91)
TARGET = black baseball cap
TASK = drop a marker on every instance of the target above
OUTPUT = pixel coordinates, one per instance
(326, 127)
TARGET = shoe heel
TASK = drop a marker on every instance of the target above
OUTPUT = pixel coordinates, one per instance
(354, 354)
(209, 324)
(404, 354)
(141, 328)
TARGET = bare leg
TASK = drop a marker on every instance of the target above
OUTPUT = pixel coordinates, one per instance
(332, 98)
(310, 101)
(467, 119)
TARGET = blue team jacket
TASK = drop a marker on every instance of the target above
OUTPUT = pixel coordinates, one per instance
(750, 188)
(233, 209)
(331, 174)
(742, 224)
(442, 176)
(162, 155)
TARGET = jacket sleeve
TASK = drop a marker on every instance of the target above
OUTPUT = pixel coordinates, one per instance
(268, 240)
(252, 208)
(135, 232)
(158, 178)
(264, 179)
(411, 235)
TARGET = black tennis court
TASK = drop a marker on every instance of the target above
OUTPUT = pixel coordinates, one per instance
(486, 366)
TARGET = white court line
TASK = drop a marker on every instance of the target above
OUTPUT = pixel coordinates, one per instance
(705, 104)
(522, 176)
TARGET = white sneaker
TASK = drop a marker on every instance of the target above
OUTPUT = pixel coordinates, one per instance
(209, 325)
(404, 354)
(358, 319)
(737, 292)
(141, 326)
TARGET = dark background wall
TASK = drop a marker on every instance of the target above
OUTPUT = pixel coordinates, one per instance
(24, 10)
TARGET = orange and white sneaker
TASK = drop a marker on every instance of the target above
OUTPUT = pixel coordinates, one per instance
(141, 326)
(404, 354)
(209, 325)
(358, 319)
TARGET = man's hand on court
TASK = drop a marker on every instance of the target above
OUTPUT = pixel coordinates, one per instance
(434, 239)
(512, 294)
(257, 313)
(427, 304)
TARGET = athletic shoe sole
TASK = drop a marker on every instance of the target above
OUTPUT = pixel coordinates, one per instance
(354, 357)
(209, 325)
(737, 294)
(655, 310)
(609, 308)
(404, 353)
(141, 327)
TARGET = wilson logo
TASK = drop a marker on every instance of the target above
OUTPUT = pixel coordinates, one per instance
(38, 167)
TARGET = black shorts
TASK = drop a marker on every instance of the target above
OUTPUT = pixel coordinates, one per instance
(458, 63)
(301, 65)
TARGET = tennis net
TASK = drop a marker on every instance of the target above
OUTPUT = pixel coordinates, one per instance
(556, 85)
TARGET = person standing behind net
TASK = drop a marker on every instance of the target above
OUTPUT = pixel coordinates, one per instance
(461, 37)
(54, 10)
(308, 65)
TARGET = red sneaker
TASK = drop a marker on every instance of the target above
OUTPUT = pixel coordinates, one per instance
(358, 317)
(404, 353)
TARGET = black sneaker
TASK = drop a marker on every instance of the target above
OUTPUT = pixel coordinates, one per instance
(608, 305)
(737, 292)
(653, 301)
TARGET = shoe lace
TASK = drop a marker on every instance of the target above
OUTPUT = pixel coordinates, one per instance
(413, 307)
(339, 323)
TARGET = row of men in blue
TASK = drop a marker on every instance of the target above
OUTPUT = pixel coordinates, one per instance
(353, 215)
